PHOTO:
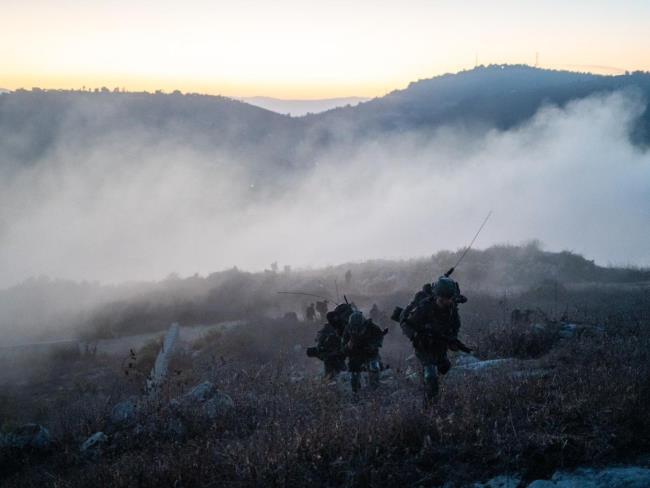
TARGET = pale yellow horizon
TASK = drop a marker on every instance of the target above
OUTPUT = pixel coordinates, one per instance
(306, 50)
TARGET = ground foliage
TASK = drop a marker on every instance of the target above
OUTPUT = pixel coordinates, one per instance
(563, 402)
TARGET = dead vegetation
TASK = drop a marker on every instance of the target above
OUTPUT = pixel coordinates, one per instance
(574, 390)
(565, 402)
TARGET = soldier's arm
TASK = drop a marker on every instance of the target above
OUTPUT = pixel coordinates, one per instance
(320, 336)
(345, 339)
(455, 322)
(323, 338)
(408, 329)
(377, 335)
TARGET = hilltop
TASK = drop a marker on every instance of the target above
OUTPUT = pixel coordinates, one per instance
(530, 276)
(33, 122)
(495, 96)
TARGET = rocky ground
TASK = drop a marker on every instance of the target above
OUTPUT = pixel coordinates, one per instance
(235, 412)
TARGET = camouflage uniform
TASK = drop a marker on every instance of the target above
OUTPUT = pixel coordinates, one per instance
(362, 339)
(321, 308)
(329, 347)
(429, 327)
(310, 313)
(375, 313)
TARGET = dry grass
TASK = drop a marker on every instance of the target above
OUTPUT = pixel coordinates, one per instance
(587, 404)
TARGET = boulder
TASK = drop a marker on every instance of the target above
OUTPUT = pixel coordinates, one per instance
(218, 405)
(124, 413)
(567, 331)
(614, 477)
(205, 399)
(487, 364)
(94, 443)
(502, 481)
(29, 436)
(466, 359)
(200, 392)
(297, 378)
(413, 377)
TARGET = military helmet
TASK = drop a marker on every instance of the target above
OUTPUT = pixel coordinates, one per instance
(343, 311)
(427, 288)
(356, 319)
(356, 323)
(446, 287)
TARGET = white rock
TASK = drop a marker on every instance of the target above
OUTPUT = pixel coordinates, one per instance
(625, 477)
(218, 405)
(567, 331)
(296, 378)
(201, 392)
(94, 442)
(124, 412)
(33, 436)
(487, 364)
(500, 482)
(466, 360)
(413, 377)
(159, 371)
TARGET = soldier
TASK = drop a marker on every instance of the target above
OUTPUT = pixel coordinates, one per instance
(310, 313)
(329, 347)
(375, 313)
(431, 322)
(321, 308)
(362, 339)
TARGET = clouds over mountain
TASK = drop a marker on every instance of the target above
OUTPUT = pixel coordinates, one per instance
(128, 186)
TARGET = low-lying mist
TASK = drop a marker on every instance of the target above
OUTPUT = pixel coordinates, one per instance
(129, 208)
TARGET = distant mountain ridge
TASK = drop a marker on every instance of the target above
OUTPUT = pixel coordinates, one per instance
(298, 108)
(496, 96)
(501, 97)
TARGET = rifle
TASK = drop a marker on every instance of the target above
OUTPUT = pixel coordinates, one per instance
(453, 343)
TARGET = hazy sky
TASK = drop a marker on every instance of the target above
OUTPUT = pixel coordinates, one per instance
(306, 49)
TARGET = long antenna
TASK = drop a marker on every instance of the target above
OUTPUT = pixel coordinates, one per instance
(451, 270)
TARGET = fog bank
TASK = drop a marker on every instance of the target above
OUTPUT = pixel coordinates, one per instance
(130, 208)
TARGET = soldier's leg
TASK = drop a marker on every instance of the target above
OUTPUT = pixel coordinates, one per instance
(430, 374)
(374, 369)
(444, 365)
(431, 381)
(333, 366)
(354, 366)
(340, 365)
(440, 357)
(330, 369)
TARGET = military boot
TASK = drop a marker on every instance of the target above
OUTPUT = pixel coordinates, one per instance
(374, 369)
